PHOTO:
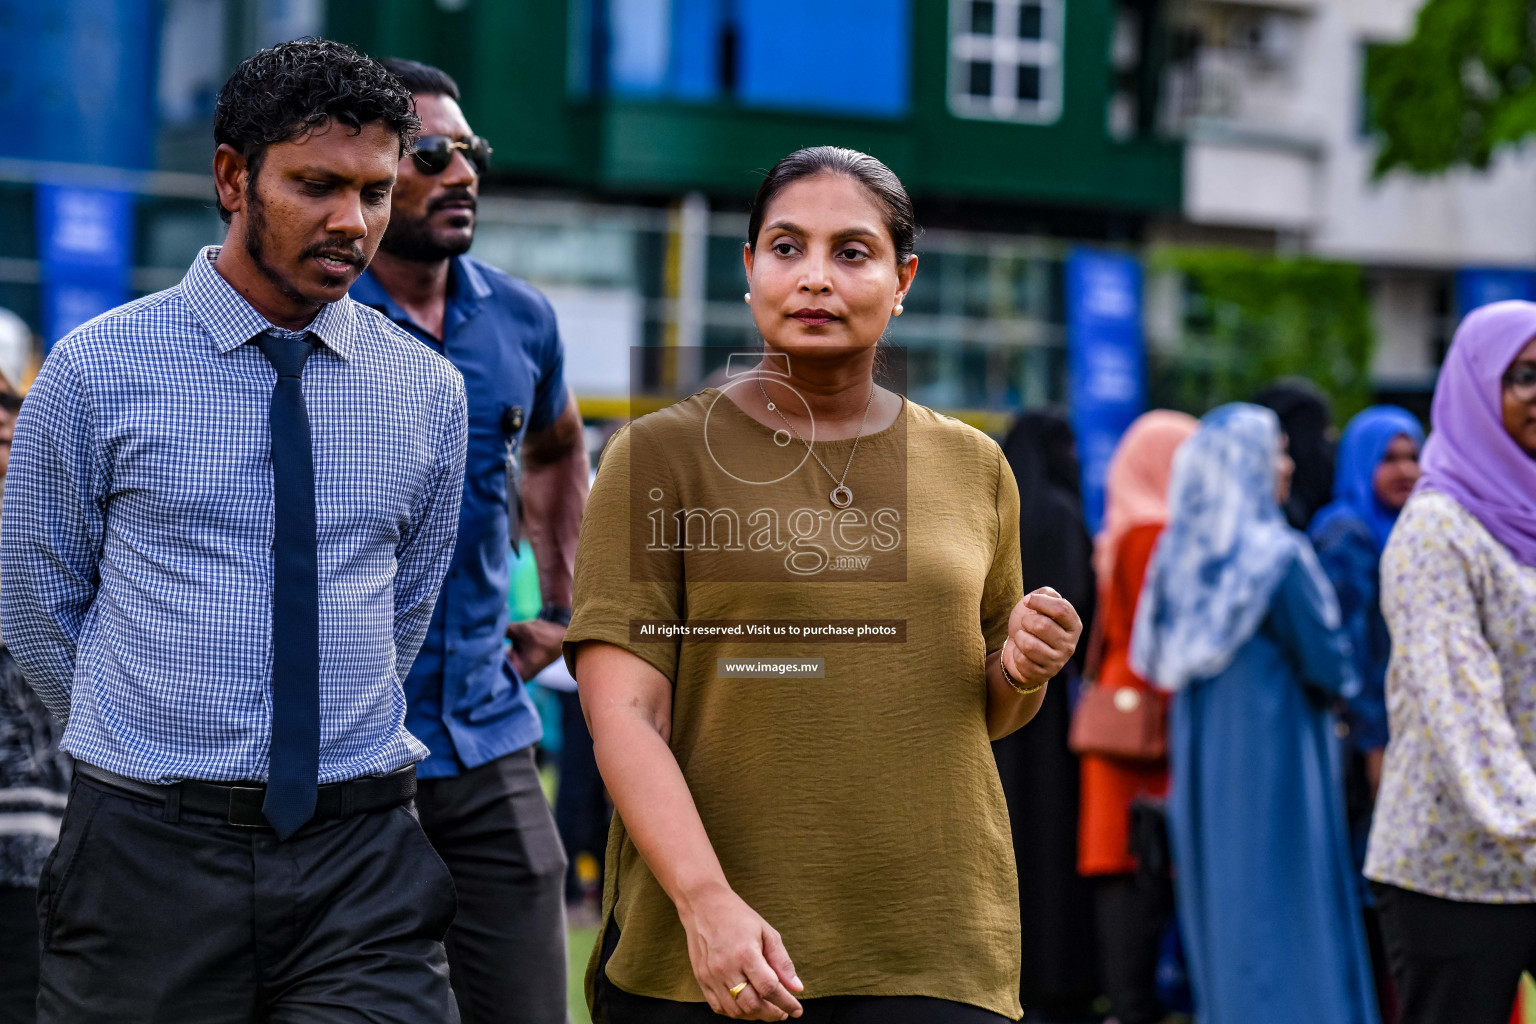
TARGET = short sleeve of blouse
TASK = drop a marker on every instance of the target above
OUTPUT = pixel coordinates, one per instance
(607, 594)
(1005, 578)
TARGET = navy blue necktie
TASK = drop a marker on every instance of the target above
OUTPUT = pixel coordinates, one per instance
(295, 750)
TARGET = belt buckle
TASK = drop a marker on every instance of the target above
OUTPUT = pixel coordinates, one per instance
(245, 812)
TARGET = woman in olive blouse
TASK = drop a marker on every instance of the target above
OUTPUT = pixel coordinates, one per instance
(828, 837)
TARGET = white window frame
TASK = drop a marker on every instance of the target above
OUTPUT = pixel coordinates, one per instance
(1008, 53)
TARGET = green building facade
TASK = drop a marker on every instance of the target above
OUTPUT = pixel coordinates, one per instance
(525, 68)
(629, 135)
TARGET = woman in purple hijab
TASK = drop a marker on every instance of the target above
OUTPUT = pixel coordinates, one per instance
(1453, 846)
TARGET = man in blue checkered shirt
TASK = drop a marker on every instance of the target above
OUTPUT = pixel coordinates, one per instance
(229, 511)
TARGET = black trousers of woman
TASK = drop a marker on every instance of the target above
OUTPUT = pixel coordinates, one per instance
(615, 1006)
(624, 1008)
(1452, 962)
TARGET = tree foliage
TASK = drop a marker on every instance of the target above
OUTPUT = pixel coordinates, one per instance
(1253, 317)
(1460, 89)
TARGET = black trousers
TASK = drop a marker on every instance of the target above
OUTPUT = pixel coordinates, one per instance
(633, 1009)
(1133, 912)
(1455, 963)
(18, 954)
(153, 916)
(507, 947)
(615, 1006)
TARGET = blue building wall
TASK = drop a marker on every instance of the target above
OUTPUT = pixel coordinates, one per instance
(832, 56)
(828, 56)
(77, 80)
(699, 30)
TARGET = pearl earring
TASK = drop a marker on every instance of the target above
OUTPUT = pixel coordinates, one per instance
(898, 310)
(747, 298)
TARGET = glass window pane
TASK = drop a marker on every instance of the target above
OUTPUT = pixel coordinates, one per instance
(1031, 21)
(1029, 83)
(983, 17)
(973, 377)
(722, 276)
(980, 78)
(976, 286)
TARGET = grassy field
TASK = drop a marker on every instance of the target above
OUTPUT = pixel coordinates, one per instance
(581, 940)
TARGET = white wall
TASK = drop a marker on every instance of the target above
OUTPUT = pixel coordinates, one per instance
(1243, 183)
(1460, 219)
(1280, 147)
(1403, 312)
(1253, 142)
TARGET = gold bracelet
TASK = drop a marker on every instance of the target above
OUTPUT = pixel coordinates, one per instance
(1020, 690)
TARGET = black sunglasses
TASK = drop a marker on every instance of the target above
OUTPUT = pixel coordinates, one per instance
(433, 153)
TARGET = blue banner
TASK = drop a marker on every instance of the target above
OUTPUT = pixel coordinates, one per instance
(1106, 362)
(85, 246)
(1479, 286)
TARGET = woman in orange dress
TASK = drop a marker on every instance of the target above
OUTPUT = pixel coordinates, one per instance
(1132, 906)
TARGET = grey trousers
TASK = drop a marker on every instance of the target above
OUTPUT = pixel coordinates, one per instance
(507, 946)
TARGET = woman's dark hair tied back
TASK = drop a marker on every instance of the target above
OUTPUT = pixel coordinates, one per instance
(879, 180)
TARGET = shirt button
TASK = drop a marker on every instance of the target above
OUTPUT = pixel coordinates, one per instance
(452, 648)
(454, 574)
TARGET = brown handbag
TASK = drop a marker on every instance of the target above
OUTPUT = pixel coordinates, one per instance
(1117, 721)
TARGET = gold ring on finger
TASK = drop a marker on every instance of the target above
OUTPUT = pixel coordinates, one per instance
(737, 990)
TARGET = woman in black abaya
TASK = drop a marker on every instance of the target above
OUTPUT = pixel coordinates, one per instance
(1039, 774)
(1306, 419)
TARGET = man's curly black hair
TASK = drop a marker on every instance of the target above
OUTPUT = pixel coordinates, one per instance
(283, 93)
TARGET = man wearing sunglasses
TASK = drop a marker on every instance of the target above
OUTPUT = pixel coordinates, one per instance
(479, 796)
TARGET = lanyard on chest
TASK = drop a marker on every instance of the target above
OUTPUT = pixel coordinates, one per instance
(512, 430)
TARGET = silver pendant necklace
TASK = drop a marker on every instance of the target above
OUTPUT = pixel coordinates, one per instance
(841, 496)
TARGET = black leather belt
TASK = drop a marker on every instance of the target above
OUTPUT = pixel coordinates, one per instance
(240, 803)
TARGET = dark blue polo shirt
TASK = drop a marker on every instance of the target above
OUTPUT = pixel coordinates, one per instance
(464, 701)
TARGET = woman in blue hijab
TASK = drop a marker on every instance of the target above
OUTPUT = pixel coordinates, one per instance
(1378, 464)
(1376, 470)
(1238, 619)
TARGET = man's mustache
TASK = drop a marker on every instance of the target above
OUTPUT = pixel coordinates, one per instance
(461, 198)
(340, 252)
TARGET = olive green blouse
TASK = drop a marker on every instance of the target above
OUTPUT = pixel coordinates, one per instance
(858, 808)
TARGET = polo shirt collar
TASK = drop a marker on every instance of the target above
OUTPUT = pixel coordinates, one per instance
(367, 290)
(473, 288)
(467, 288)
(231, 321)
